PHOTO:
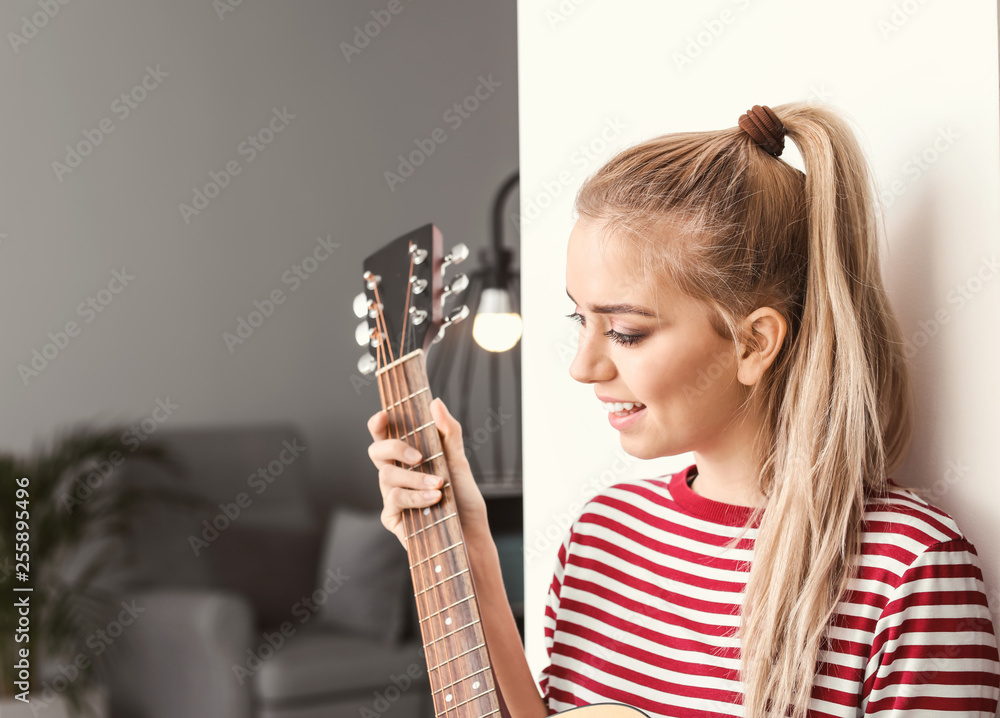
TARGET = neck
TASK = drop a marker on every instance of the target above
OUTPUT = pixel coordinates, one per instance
(727, 471)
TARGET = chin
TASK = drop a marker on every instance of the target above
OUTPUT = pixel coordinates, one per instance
(639, 449)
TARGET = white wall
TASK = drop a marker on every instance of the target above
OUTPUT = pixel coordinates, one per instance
(596, 77)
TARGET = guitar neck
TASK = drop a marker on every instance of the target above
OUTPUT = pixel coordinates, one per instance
(458, 662)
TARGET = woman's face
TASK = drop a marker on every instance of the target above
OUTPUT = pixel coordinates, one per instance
(681, 372)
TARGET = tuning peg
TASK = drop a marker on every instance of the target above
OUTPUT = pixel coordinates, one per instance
(363, 334)
(361, 305)
(371, 280)
(458, 284)
(459, 253)
(456, 316)
(417, 316)
(419, 285)
(366, 364)
(419, 255)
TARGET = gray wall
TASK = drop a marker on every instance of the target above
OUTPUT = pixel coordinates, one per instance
(217, 80)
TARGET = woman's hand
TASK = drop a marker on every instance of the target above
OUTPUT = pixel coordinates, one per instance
(404, 488)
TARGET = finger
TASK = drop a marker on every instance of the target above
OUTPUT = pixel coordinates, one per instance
(410, 499)
(389, 450)
(451, 431)
(392, 477)
(377, 425)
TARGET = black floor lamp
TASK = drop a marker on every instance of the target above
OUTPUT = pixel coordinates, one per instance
(493, 298)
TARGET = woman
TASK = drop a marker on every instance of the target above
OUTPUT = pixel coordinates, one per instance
(737, 305)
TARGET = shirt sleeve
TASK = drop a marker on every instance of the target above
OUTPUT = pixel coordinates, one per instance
(551, 607)
(935, 648)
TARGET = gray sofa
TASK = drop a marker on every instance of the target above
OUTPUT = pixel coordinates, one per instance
(248, 604)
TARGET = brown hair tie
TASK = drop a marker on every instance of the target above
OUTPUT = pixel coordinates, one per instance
(763, 125)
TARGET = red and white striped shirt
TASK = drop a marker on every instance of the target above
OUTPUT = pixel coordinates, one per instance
(644, 605)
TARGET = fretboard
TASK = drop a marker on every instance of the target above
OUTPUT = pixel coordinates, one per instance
(458, 662)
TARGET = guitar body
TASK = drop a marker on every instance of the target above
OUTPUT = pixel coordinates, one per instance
(604, 710)
(404, 298)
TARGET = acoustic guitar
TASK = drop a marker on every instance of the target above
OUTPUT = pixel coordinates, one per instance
(403, 305)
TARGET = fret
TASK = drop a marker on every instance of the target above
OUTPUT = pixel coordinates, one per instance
(429, 458)
(459, 543)
(443, 518)
(431, 615)
(414, 432)
(469, 700)
(394, 404)
(445, 635)
(463, 678)
(454, 575)
(407, 357)
(495, 710)
(449, 660)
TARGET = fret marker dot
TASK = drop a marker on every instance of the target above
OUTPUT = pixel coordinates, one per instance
(447, 621)
(437, 569)
(427, 510)
(476, 684)
(448, 698)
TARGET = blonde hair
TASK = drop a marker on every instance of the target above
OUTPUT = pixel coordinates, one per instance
(737, 228)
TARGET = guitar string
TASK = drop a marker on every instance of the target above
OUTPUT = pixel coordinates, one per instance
(433, 510)
(408, 513)
(452, 682)
(408, 516)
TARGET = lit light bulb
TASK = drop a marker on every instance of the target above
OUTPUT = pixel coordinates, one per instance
(496, 328)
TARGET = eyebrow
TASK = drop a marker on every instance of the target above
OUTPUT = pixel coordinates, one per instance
(616, 308)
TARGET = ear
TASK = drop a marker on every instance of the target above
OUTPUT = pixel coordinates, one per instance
(765, 331)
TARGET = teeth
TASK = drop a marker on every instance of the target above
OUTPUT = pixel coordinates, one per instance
(619, 407)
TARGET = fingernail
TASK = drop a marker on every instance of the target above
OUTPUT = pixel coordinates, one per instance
(430, 494)
(412, 455)
(431, 481)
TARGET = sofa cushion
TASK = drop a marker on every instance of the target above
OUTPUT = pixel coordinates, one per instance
(364, 577)
(319, 661)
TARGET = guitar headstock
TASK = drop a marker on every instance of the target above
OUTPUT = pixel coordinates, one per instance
(404, 297)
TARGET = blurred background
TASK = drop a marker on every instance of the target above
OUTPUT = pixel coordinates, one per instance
(168, 167)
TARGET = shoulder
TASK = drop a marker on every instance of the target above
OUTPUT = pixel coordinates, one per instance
(902, 529)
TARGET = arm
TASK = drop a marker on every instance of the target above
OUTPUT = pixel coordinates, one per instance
(935, 649)
(516, 684)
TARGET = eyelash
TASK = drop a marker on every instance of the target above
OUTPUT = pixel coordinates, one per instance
(617, 337)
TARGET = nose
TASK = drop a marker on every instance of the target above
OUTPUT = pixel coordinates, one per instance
(591, 363)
